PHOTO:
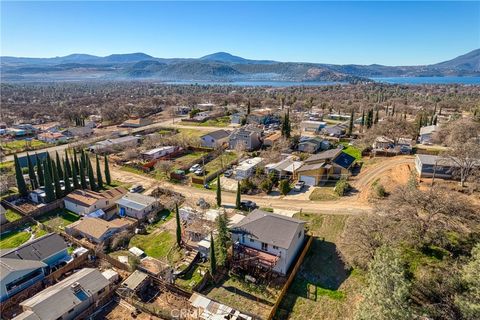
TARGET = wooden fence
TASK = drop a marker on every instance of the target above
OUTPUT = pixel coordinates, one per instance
(291, 277)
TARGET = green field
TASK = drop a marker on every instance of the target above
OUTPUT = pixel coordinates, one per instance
(13, 239)
(155, 244)
(191, 278)
(216, 164)
(217, 122)
(59, 218)
(353, 151)
(22, 145)
(12, 215)
(323, 194)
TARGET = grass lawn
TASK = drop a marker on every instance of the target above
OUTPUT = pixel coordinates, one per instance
(217, 122)
(59, 218)
(163, 216)
(155, 244)
(191, 278)
(191, 133)
(21, 145)
(324, 287)
(7, 167)
(323, 194)
(216, 164)
(352, 150)
(127, 253)
(13, 239)
(12, 215)
(187, 159)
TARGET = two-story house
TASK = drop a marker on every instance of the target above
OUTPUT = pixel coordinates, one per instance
(215, 139)
(268, 239)
(247, 138)
(83, 202)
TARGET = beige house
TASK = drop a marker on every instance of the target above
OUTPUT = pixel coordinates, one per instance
(98, 230)
(83, 202)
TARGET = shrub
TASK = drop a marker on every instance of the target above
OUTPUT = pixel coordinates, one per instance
(266, 185)
(247, 185)
(379, 190)
(341, 187)
(284, 187)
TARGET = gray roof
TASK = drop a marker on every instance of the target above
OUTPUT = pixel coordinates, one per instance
(38, 249)
(135, 280)
(271, 228)
(217, 135)
(58, 299)
(136, 201)
(9, 265)
(428, 129)
(432, 160)
(325, 155)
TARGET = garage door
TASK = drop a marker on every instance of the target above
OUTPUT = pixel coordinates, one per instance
(309, 180)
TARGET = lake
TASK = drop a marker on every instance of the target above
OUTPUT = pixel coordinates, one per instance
(429, 80)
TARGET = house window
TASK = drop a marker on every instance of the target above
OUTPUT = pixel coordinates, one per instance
(264, 246)
(275, 247)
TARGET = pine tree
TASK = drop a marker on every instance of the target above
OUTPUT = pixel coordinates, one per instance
(238, 201)
(219, 192)
(56, 182)
(213, 259)
(31, 173)
(179, 226)
(76, 183)
(49, 191)
(59, 165)
(107, 172)
(21, 185)
(41, 179)
(91, 176)
(83, 179)
(350, 125)
(386, 296)
(99, 174)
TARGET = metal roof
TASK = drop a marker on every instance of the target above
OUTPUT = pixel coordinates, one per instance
(38, 249)
(136, 201)
(135, 280)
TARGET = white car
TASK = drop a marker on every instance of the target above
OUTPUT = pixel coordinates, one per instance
(195, 167)
(199, 171)
(299, 186)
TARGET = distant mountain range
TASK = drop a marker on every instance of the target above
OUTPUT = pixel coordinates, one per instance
(220, 66)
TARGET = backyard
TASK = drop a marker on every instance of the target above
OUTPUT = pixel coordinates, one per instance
(324, 287)
(58, 218)
(217, 122)
(216, 164)
(22, 145)
(15, 238)
(191, 278)
(352, 150)
(12, 215)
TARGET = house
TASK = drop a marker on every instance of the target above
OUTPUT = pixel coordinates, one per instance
(137, 205)
(181, 110)
(98, 230)
(336, 130)
(28, 128)
(136, 282)
(208, 309)
(68, 298)
(383, 143)
(283, 168)
(428, 165)
(136, 122)
(16, 132)
(52, 137)
(272, 139)
(262, 116)
(426, 134)
(83, 202)
(237, 118)
(110, 145)
(312, 126)
(319, 168)
(247, 138)
(313, 145)
(27, 264)
(159, 152)
(387, 145)
(78, 132)
(270, 239)
(246, 168)
(3, 218)
(215, 139)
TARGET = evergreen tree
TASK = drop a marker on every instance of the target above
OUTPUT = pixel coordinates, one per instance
(68, 167)
(21, 185)
(56, 182)
(434, 121)
(375, 121)
(213, 259)
(350, 125)
(363, 118)
(393, 110)
(48, 165)
(91, 177)
(41, 179)
(31, 173)
(66, 178)
(386, 296)
(83, 179)
(99, 174)
(248, 106)
(286, 126)
(369, 120)
(59, 165)
(238, 201)
(49, 191)
(223, 237)
(108, 179)
(75, 161)
(469, 301)
(219, 192)
(179, 226)
(76, 183)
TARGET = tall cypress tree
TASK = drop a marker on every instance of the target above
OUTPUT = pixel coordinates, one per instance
(238, 201)
(91, 176)
(350, 125)
(59, 165)
(68, 168)
(179, 226)
(99, 174)
(56, 182)
(213, 259)
(66, 178)
(363, 118)
(83, 179)
(41, 179)
(21, 185)
(31, 173)
(108, 179)
(219, 192)
(375, 121)
(75, 161)
(76, 183)
(49, 191)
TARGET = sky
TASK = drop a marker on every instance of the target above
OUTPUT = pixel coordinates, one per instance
(389, 33)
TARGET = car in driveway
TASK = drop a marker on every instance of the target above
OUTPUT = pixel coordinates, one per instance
(200, 171)
(299, 186)
(248, 205)
(195, 167)
(136, 188)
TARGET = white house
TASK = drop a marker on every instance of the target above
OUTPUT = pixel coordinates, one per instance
(278, 238)
(159, 152)
(137, 205)
(246, 168)
(312, 126)
(83, 202)
(426, 134)
(52, 137)
(215, 138)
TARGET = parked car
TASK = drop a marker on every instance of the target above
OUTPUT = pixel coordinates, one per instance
(136, 188)
(195, 167)
(199, 171)
(248, 205)
(299, 186)
(228, 173)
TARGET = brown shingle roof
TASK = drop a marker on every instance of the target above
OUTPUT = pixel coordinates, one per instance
(96, 227)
